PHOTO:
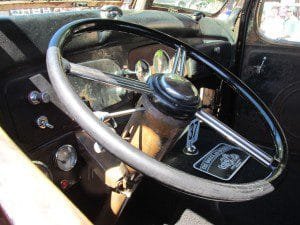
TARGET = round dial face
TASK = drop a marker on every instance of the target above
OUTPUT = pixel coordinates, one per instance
(161, 62)
(142, 70)
(66, 157)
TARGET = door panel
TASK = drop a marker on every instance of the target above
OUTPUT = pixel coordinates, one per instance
(277, 82)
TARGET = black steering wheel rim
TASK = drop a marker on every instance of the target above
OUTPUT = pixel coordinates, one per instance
(130, 155)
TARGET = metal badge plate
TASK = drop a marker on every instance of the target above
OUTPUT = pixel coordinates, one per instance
(222, 162)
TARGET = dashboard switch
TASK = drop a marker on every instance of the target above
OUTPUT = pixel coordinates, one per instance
(36, 97)
(42, 122)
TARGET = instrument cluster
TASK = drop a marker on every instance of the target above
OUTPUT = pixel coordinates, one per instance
(154, 62)
(160, 62)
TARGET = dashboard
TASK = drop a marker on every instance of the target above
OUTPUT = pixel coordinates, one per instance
(30, 110)
(141, 61)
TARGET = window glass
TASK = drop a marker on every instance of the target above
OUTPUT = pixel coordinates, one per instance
(209, 6)
(280, 20)
(29, 7)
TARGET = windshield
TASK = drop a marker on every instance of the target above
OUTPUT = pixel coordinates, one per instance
(28, 7)
(208, 6)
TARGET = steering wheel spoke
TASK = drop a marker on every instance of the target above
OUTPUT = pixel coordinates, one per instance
(106, 78)
(235, 138)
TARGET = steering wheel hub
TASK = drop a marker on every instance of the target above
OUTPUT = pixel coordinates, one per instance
(174, 95)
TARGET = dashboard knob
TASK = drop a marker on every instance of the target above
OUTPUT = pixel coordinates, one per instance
(42, 122)
(36, 97)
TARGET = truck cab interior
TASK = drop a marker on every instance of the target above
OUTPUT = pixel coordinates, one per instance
(149, 112)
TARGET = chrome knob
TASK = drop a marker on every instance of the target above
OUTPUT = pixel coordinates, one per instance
(36, 97)
(43, 123)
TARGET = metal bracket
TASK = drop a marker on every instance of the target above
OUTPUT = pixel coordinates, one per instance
(192, 138)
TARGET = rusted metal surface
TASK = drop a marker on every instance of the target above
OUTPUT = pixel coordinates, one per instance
(152, 131)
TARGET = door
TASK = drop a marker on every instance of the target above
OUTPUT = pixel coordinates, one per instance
(271, 67)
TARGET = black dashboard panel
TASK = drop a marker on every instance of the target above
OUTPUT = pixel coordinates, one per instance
(24, 115)
(26, 38)
(46, 155)
(220, 51)
(175, 24)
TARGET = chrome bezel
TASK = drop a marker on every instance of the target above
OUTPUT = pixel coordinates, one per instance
(57, 160)
(147, 64)
(168, 63)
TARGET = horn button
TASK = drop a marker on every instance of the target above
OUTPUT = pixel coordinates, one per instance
(174, 95)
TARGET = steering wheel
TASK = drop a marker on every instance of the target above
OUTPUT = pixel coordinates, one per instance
(174, 96)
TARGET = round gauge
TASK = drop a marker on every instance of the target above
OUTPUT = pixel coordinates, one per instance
(44, 168)
(161, 62)
(66, 157)
(142, 69)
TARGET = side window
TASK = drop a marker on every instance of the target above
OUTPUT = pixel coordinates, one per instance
(280, 20)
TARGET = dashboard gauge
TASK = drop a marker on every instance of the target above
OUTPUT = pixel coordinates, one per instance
(161, 62)
(142, 69)
(66, 157)
(44, 168)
